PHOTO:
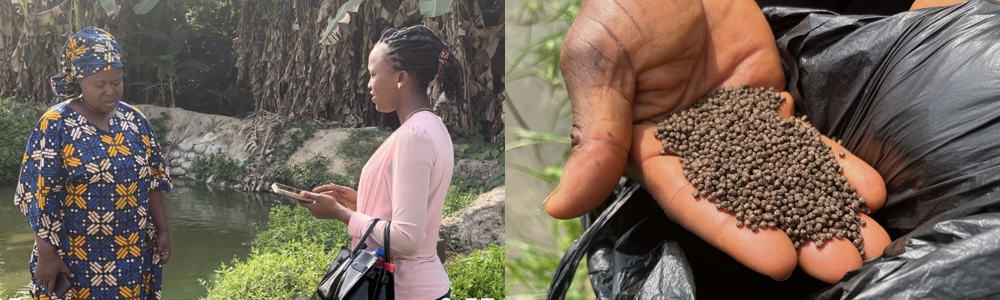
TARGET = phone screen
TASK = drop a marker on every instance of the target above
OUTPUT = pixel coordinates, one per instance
(290, 192)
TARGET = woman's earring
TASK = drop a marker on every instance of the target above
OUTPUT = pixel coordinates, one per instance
(399, 85)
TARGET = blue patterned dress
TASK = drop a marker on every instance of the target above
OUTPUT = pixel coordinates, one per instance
(86, 191)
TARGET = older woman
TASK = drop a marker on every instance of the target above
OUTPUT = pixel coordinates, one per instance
(90, 183)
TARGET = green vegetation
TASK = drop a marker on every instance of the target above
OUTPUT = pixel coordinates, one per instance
(310, 173)
(294, 135)
(478, 275)
(160, 128)
(17, 120)
(279, 166)
(217, 166)
(289, 258)
(470, 144)
(358, 147)
(283, 274)
(458, 198)
(294, 225)
(532, 266)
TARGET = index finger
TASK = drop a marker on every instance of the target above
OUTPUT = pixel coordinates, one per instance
(50, 286)
(328, 188)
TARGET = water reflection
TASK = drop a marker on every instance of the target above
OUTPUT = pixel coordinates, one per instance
(207, 228)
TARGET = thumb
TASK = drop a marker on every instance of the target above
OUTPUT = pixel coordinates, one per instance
(66, 271)
(600, 95)
(592, 171)
(315, 196)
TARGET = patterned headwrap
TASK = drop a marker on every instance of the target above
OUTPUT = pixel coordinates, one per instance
(92, 50)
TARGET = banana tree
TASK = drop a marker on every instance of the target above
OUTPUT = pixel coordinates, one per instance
(169, 66)
(32, 32)
(429, 8)
(140, 8)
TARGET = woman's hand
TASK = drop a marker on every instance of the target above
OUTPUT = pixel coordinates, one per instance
(627, 65)
(162, 228)
(326, 207)
(48, 265)
(767, 251)
(163, 246)
(346, 196)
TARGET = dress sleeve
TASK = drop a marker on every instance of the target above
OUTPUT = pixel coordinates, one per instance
(42, 178)
(157, 164)
(412, 160)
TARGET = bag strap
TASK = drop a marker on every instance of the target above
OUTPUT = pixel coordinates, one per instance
(566, 269)
(385, 240)
(364, 237)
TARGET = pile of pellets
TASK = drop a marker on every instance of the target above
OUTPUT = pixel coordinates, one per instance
(770, 172)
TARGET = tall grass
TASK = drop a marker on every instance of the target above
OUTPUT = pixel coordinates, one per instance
(531, 267)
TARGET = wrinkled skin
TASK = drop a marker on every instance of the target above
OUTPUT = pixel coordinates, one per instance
(627, 64)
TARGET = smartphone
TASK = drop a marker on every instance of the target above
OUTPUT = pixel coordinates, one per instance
(289, 192)
(62, 285)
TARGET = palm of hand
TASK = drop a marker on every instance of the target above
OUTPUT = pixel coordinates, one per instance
(627, 65)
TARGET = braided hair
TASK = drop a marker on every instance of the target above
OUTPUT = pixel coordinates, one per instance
(420, 52)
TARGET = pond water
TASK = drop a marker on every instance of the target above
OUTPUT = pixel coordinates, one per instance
(207, 228)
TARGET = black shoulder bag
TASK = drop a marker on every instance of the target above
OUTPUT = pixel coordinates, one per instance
(359, 275)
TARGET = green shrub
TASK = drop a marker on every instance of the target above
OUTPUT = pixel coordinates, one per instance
(294, 135)
(463, 182)
(288, 259)
(218, 165)
(17, 120)
(292, 271)
(358, 147)
(160, 128)
(499, 178)
(309, 174)
(459, 198)
(478, 275)
(305, 175)
(289, 225)
(477, 151)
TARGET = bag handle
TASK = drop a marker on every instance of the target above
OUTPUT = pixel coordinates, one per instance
(364, 237)
(385, 241)
(566, 269)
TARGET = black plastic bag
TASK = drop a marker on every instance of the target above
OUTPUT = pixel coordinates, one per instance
(917, 96)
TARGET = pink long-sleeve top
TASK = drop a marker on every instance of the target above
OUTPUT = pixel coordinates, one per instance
(405, 182)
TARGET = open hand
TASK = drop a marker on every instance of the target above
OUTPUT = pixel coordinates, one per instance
(627, 64)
